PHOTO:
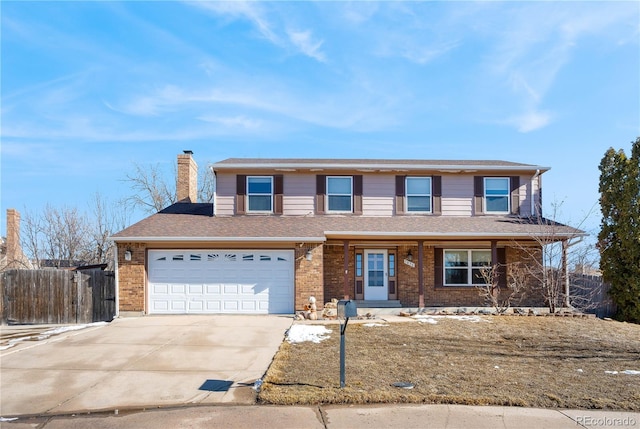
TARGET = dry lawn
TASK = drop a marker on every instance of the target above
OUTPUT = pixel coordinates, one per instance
(521, 361)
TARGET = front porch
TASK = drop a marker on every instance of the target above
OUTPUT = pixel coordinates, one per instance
(411, 273)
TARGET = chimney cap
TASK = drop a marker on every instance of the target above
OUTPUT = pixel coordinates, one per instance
(188, 152)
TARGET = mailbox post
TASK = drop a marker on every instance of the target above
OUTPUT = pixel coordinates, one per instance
(346, 308)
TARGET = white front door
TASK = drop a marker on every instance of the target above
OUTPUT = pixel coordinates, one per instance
(376, 286)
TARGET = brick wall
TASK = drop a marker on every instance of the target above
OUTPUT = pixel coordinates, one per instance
(531, 296)
(407, 277)
(187, 180)
(131, 277)
(334, 272)
(308, 275)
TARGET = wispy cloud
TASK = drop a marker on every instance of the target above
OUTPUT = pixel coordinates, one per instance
(271, 29)
(303, 40)
(530, 121)
(533, 45)
(239, 121)
(250, 11)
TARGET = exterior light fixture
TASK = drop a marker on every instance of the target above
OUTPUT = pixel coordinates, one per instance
(127, 255)
(308, 255)
(409, 256)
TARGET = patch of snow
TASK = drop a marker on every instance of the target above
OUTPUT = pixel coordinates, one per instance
(303, 333)
(374, 325)
(496, 367)
(631, 372)
(579, 370)
(6, 419)
(429, 320)
(611, 372)
(64, 329)
(47, 334)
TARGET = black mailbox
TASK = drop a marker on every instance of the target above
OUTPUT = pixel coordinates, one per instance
(347, 308)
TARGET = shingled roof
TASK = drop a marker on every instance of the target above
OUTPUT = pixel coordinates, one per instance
(410, 164)
(169, 225)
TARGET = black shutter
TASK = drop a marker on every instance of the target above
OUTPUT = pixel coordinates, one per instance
(502, 267)
(241, 192)
(357, 194)
(436, 182)
(321, 191)
(278, 191)
(478, 194)
(439, 267)
(515, 194)
(400, 183)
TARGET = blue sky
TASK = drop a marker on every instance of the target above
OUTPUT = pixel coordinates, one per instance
(89, 88)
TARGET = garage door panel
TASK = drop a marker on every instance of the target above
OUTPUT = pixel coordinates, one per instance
(212, 289)
(196, 289)
(196, 306)
(221, 281)
(178, 306)
(177, 289)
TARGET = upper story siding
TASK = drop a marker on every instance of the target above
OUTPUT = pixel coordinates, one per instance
(378, 194)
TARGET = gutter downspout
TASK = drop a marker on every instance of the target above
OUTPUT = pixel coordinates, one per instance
(115, 253)
(533, 198)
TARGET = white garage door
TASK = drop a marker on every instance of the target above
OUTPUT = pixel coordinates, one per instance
(221, 281)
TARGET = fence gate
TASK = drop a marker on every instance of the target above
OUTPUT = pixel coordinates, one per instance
(56, 296)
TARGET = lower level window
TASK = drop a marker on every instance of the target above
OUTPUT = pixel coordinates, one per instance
(464, 267)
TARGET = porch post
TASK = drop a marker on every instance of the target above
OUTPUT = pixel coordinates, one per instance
(421, 273)
(565, 273)
(494, 265)
(346, 269)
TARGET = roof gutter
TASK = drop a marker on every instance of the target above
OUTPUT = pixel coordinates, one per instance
(454, 168)
(475, 235)
(219, 239)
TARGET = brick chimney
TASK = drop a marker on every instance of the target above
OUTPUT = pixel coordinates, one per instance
(187, 182)
(14, 251)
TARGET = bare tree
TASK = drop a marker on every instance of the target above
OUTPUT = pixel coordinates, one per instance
(155, 189)
(59, 237)
(498, 296)
(105, 221)
(550, 253)
(56, 235)
(151, 192)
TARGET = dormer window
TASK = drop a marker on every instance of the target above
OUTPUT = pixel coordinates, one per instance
(496, 195)
(259, 194)
(340, 194)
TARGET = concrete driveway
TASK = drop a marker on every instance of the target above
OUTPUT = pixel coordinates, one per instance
(141, 362)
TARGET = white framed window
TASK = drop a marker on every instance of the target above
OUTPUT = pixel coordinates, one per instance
(260, 194)
(340, 194)
(418, 194)
(463, 267)
(496, 195)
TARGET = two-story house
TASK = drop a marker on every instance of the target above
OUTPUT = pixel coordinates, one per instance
(410, 233)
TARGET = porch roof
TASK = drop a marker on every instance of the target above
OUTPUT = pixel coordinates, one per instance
(172, 226)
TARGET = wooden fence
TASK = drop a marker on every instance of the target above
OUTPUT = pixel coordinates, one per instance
(56, 296)
(591, 294)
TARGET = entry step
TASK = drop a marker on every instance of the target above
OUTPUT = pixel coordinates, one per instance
(378, 304)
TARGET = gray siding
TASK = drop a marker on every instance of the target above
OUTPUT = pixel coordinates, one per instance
(457, 195)
(299, 194)
(225, 194)
(378, 195)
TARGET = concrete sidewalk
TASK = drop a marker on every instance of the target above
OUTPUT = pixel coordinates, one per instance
(339, 417)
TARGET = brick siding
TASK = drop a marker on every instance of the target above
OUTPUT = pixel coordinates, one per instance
(308, 275)
(131, 277)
